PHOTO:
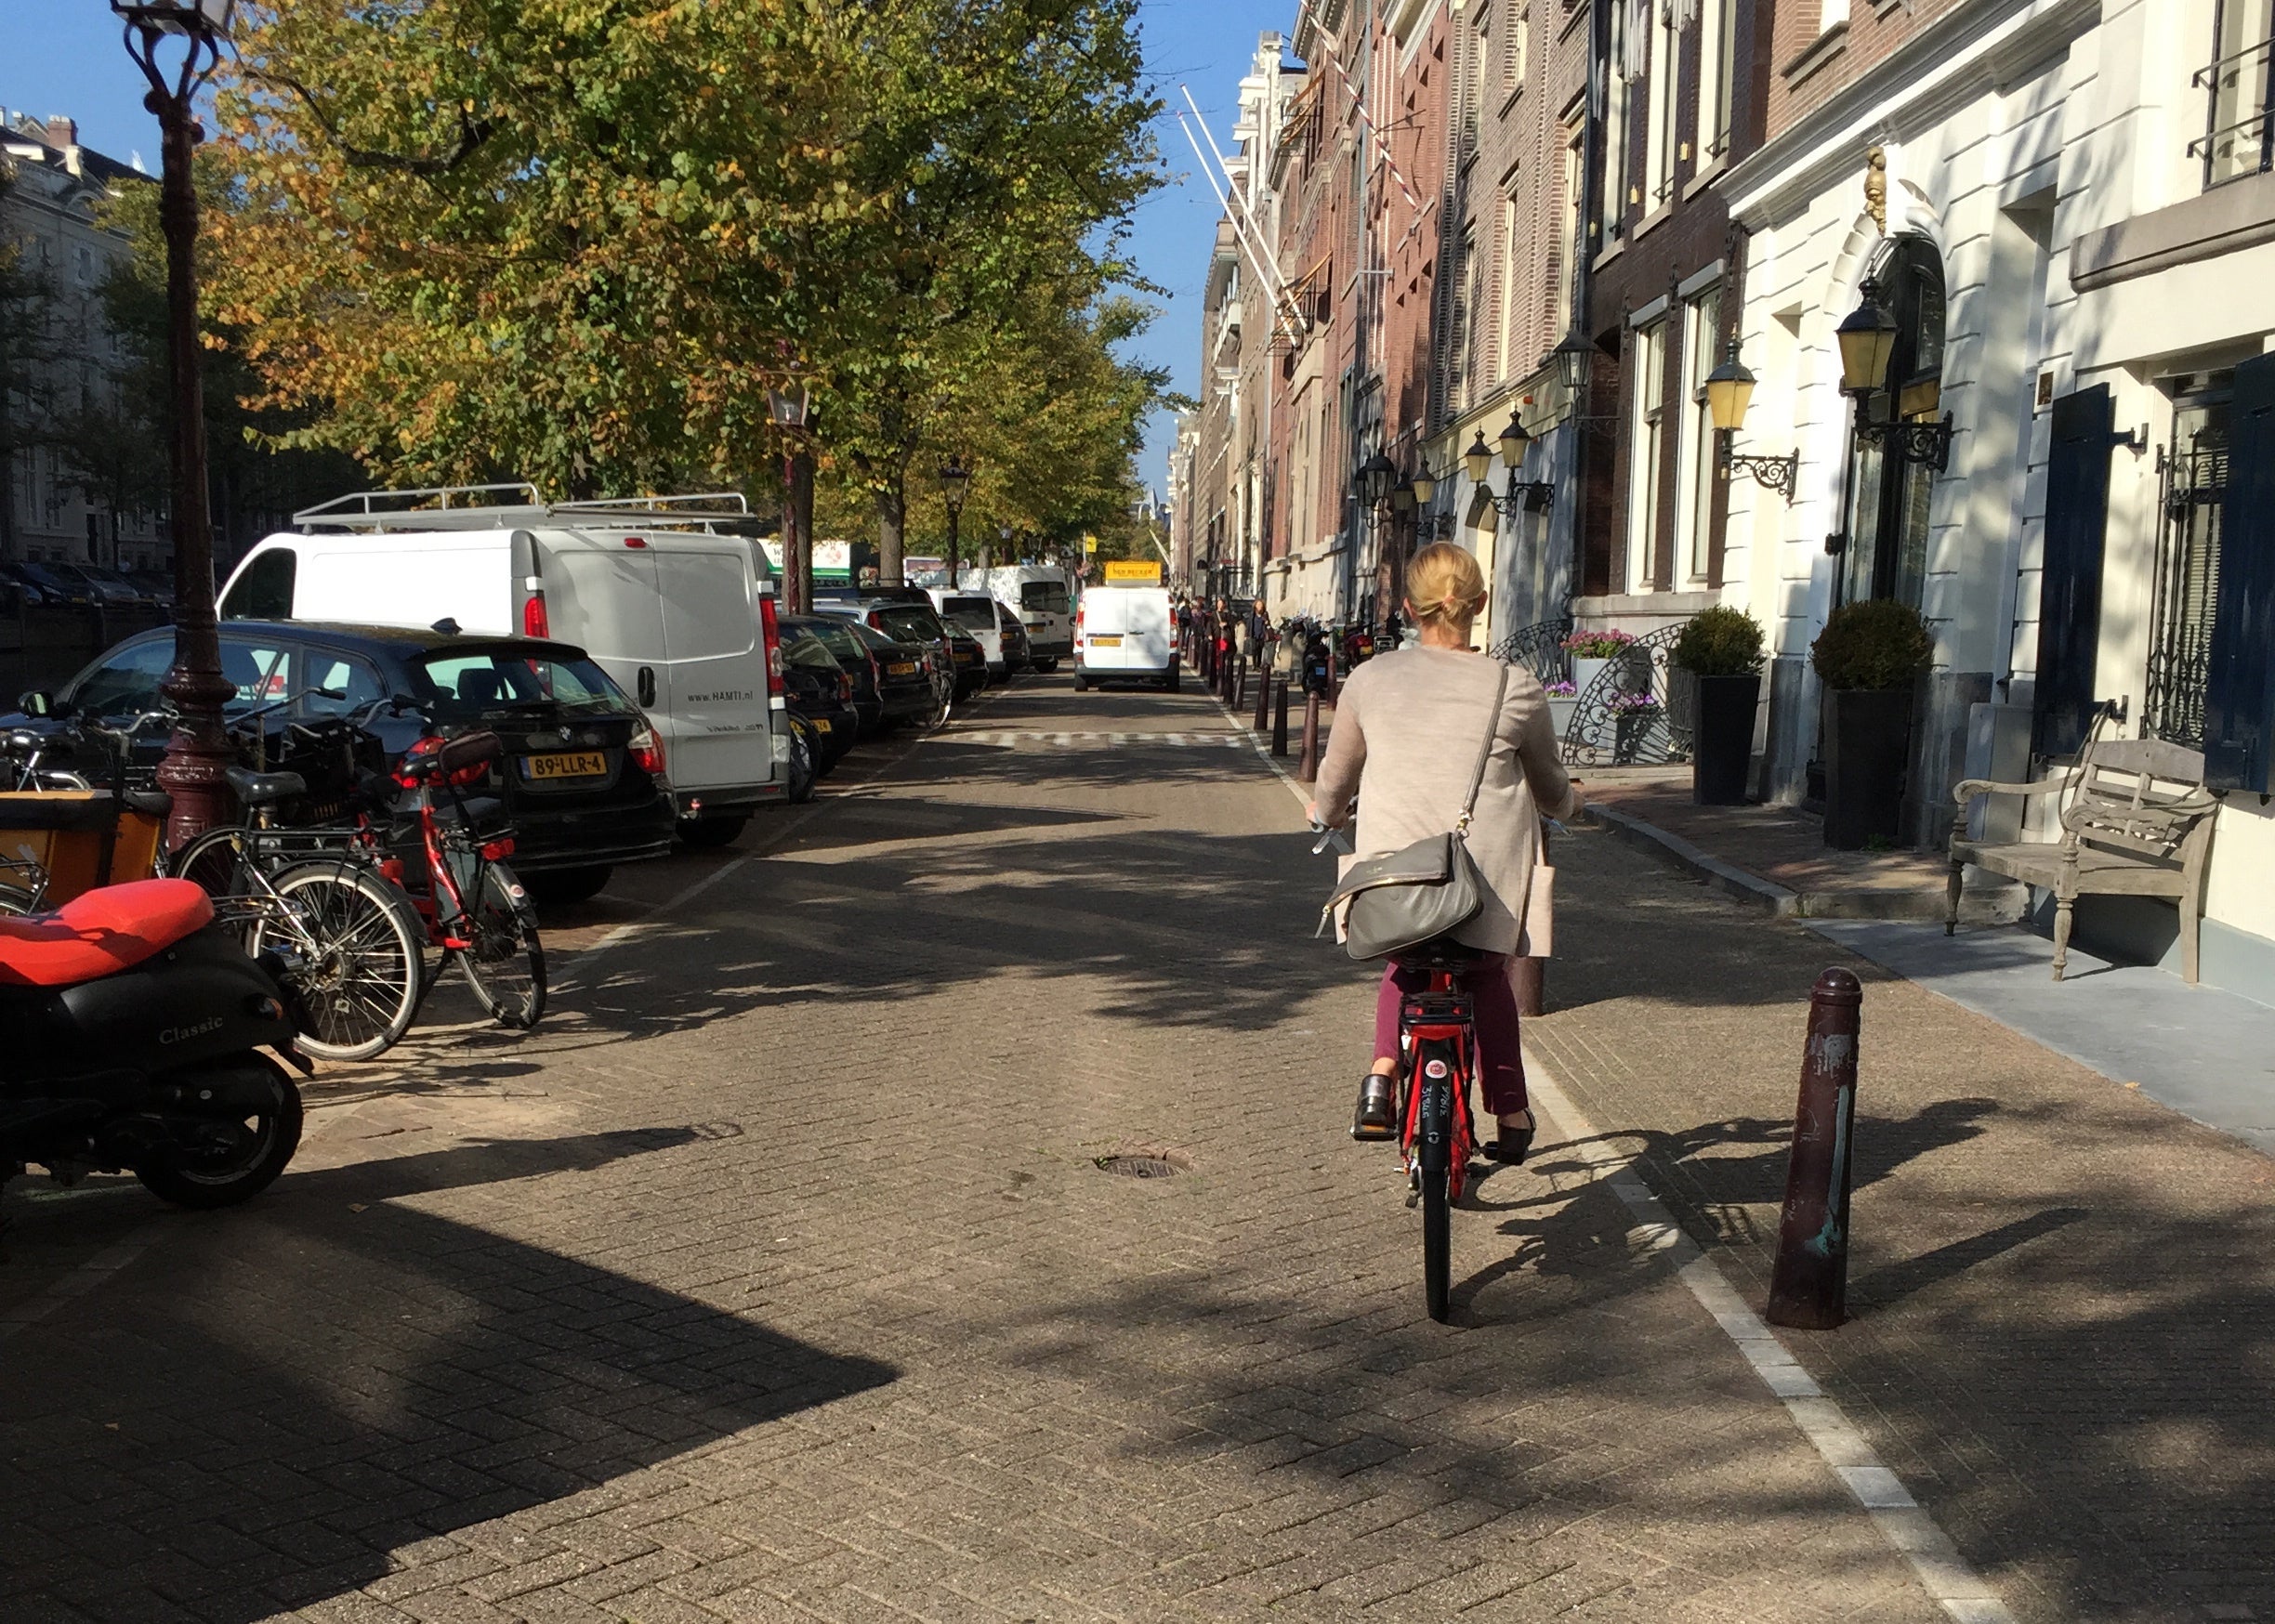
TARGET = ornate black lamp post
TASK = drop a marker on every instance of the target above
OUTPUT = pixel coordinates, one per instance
(792, 409)
(955, 479)
(198, 753)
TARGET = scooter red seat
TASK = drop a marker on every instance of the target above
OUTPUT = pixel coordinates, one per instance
(100, 932)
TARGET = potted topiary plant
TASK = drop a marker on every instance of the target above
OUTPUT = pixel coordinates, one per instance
(1722, 649)
(1870, 657)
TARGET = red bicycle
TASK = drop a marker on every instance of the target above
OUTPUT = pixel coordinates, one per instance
(1436, 1063)
(448, 854)
(1437, 1127)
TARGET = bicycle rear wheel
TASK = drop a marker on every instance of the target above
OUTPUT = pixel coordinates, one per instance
(354, 958)
(212, 860)
(505, 965)
(1437, 1245)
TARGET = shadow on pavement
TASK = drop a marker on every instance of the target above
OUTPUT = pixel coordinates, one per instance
(326, 1376)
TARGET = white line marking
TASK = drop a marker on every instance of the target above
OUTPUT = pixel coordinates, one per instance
(1947, 1576)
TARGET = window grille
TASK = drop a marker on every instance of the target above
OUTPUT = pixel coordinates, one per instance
(2192, 487)
(2239, 138)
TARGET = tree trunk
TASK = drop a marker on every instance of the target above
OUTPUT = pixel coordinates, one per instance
(892, 518)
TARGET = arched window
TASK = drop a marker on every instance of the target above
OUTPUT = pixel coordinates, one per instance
(1887, 554)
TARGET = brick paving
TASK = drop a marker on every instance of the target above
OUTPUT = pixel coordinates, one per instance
(2064, 1294)
(775, 1277)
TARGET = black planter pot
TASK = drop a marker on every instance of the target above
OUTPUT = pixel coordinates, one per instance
(1867, 745)
(1722, 743)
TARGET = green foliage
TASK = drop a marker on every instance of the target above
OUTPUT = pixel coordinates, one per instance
(1876, 643)
(1720, 641)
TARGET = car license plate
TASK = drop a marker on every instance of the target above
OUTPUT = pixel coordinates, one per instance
(901, 668)
(1112, 640)
(820, 725)
(581, 763)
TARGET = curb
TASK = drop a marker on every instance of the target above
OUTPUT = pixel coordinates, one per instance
(1752, 889)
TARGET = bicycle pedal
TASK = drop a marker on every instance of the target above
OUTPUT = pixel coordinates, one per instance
(1373, 1136)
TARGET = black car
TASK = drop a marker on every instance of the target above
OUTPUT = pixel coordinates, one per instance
(901, 635)
(970, 657)
(1018, 647)
(820, 697)
(583, 776)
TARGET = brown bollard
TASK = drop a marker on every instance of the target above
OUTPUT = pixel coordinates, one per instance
(1808, 1284)
(1264, 688)
(1307, 769)
(1280, 717)
(1240, 680)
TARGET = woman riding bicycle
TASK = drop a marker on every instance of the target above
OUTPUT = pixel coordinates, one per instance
(1405, 745)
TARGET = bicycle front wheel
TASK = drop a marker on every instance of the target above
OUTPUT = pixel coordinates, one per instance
(350, 943)
(1436, 1244)
(214, 860)
(506, 964)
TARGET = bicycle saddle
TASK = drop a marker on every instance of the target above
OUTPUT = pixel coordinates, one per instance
(1442, 954)
(101, 931)
(264, 789)
(149, 803)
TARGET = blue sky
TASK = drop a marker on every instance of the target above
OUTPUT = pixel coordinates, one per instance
(64, 56)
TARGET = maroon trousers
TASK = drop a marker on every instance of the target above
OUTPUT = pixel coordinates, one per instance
(1500, 1057)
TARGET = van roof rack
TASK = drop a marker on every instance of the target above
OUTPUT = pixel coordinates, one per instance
(459, 507)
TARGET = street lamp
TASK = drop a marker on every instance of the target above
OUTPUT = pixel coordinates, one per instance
(198, 752)
(954, 480)
(1575, 362)
(1515, 442)
(1728, 389)
(1375, 479)
(1478, 459)
(1867, 338)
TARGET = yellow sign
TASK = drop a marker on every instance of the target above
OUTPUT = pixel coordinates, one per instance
(1132, 569)
(1089, 545)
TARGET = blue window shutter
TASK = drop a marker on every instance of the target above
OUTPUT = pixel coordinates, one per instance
(2240, 687)
(2070, 583)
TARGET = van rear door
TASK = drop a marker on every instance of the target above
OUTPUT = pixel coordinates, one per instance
(600, 594)
(721, 709)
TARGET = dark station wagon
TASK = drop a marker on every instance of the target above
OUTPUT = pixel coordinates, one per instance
(583, 777)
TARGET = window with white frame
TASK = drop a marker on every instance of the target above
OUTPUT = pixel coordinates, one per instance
(1647, 455)
(1474, 82)
(1695, 484)
(1505, 312)
(1518, 62)
(1621, 190)
(1717, 78)
(1665, 84)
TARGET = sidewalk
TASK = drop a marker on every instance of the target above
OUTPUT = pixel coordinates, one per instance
(2207, 1053)
(1776, 857)
(2062, 1295)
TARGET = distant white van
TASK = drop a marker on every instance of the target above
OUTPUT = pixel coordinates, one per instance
(671, 603)
(1125, 634)
(1043, 594)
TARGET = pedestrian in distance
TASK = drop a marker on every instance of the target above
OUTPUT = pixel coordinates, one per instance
(1403, 747)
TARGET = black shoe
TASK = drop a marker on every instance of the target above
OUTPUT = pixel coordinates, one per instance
(1375, 1117)
(1512, 1147)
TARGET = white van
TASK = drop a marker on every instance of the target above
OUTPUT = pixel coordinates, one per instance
(1045, 598)
(1125, 633)
(671, 603)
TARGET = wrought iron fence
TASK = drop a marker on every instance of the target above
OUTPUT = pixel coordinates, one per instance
(2195, 489)
(1640, 710)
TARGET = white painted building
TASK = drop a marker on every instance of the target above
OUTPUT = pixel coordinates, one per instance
(2067, 204)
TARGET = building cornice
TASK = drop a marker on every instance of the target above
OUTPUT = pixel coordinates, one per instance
(1973, 50)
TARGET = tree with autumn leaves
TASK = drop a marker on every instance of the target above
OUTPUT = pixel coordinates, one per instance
(578, 240)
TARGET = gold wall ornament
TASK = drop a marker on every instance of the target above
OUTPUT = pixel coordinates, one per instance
(1876, 188)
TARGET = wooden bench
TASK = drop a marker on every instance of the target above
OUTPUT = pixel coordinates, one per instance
(2137, 822)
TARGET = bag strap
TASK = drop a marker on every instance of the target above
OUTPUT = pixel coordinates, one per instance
(1492, 729)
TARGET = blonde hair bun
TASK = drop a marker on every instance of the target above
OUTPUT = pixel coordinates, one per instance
(1444, 582)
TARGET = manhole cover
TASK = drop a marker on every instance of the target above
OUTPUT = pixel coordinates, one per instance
(1139, 1167)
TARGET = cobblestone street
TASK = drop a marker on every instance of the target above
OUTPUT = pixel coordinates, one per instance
(776, 1277)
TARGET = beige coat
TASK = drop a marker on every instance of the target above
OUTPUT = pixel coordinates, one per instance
(1407, 728)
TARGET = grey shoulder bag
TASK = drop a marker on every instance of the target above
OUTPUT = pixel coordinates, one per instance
(1424, 891)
